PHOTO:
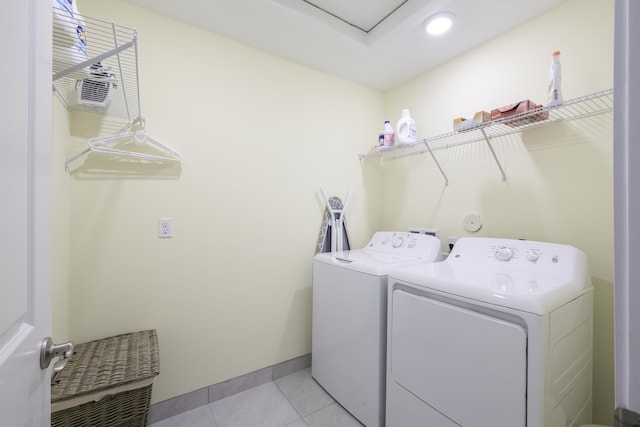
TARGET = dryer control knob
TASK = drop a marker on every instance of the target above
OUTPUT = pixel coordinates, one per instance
(504, 253)
(398, 242)
(532, 256)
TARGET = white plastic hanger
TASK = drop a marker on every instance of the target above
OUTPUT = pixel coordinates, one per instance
(107, 145)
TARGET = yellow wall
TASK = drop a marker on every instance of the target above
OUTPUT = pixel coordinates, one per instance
(61, 205)
(559, 184)
(230, 292)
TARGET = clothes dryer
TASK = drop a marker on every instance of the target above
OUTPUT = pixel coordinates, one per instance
(497, 335)
(350, 317)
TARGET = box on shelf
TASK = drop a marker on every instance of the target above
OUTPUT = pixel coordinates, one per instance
(523, 109)
(107, 382)
(461, 124)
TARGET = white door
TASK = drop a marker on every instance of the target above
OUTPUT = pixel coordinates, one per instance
(25, 157)
(469, 367)
(627, 208)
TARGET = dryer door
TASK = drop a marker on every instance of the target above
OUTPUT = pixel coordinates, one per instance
(469, 367)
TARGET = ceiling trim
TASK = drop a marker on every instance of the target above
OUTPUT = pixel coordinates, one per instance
(393, 52)
(346, 21)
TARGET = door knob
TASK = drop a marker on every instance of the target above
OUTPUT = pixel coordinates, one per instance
(49, 351)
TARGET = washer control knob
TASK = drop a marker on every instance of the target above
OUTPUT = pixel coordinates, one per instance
(398, 242)
(532, 256)
(504, 253)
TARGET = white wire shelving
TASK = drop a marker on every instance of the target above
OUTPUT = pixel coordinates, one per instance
(107, 43)
(578, 108)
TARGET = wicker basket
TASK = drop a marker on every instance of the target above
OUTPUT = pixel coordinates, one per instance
(107, 382)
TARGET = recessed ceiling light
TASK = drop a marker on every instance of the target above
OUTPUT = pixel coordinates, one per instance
(439, 23)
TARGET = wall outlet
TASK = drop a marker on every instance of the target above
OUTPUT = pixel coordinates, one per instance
(430, 231)
(165, 227)
(451, 242)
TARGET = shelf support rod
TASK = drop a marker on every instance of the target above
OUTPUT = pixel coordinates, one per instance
(122, 81)
(446, 180)
(91, 61)
(77, 156)
(486, 138)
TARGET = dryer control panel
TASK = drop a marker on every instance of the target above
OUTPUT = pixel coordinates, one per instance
(405, 244)
(536, 277)
(518, 253)
(522, 272)
(533, 254)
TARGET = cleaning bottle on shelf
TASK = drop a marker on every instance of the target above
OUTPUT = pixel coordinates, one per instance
(70, 41)
(555, 80)
(406, 128)
(388, 134)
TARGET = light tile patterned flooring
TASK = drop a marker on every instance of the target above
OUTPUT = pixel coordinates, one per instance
(295, 400)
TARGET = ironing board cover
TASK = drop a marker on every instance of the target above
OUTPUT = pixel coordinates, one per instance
(324, 239)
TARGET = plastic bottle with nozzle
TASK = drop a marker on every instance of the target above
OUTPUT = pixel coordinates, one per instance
(555, 80)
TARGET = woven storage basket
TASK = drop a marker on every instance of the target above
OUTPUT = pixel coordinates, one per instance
(107, 382)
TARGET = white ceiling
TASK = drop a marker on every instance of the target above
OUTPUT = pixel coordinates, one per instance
(378, 43)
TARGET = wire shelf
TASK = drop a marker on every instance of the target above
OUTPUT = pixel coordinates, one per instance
(597, 103)
(585, 106)
(83, 86)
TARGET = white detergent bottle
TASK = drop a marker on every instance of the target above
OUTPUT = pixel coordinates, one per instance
(406, 128)
(555, 95)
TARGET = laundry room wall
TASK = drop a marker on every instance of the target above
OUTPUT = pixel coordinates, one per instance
(230, 293)
(60, 223)
(559, 185)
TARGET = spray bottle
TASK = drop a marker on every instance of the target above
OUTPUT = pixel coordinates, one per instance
(555, 95)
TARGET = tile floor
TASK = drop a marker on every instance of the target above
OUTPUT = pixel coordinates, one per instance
(295, 400)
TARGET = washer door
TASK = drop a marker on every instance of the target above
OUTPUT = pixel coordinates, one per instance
(469, 367)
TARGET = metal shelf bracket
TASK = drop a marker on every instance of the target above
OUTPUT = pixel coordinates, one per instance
(493, 153)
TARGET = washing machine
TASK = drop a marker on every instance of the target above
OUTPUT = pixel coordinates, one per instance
(350, 317)
(497, 335)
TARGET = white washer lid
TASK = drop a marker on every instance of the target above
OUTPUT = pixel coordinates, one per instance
(538, 278)
(363, 261)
